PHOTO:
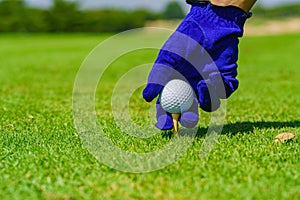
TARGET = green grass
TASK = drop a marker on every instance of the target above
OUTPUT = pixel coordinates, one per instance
(43, 157)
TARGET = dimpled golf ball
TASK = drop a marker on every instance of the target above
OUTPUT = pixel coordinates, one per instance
(177, 96)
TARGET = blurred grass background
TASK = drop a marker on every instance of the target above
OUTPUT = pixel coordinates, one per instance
(67, 16)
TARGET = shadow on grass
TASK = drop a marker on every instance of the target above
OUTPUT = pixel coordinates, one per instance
(248, 127)
(239, 127)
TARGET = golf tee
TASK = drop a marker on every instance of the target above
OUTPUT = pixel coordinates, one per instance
(175, 117)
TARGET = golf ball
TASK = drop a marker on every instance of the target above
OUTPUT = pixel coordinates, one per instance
(177, 96)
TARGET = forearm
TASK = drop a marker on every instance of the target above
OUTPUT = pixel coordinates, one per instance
(245, 5)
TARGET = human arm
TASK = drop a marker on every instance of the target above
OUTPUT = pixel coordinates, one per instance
(245, 5)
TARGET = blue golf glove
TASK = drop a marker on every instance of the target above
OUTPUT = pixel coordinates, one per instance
(202, 51)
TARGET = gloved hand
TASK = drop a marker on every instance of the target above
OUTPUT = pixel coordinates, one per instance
(203, 51)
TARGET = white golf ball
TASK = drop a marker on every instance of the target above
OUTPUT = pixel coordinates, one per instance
(177, 96)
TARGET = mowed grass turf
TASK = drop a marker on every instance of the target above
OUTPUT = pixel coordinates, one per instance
(41, 154)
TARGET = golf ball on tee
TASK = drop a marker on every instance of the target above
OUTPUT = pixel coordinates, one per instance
(177, 96)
